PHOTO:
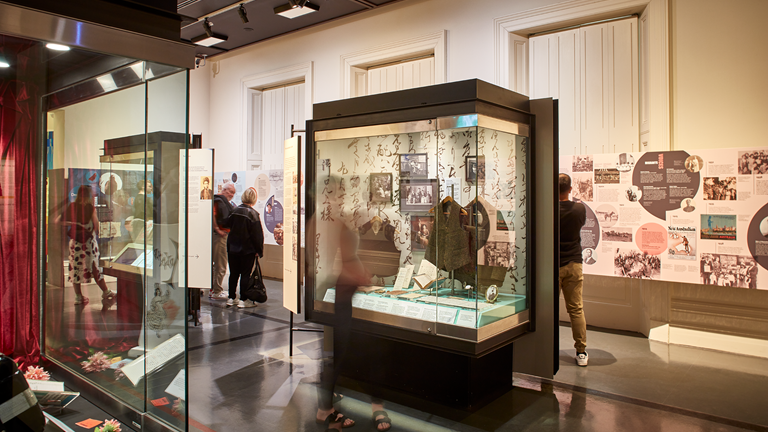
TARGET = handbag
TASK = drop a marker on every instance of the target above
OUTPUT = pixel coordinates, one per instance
(256, 290)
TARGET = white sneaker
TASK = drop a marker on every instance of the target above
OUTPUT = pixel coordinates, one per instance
(246, 304)
(219, 296)
(230, 302)
(582, 359)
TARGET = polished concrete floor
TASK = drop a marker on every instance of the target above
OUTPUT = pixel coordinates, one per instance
(241, 377)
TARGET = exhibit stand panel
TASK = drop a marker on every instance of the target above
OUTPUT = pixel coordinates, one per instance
(291, 216)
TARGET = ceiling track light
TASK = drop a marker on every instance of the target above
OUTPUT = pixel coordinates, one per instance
(243, 14)
(207, 28)
(296, 8)
(209, 38)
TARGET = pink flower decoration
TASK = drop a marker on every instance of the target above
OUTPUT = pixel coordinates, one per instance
(37, 373)
(96, 363)
(109, 426)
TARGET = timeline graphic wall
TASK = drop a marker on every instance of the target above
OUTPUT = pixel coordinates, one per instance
(699, 217)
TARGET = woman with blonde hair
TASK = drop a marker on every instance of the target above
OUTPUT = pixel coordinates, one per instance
(244, 242)
(83, 229)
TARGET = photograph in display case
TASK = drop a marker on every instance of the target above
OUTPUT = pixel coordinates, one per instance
(421, 226)
(475, 169)
(413, 166)
(418, 195)
(381, 187)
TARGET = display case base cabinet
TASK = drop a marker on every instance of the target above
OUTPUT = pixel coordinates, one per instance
(406, 373)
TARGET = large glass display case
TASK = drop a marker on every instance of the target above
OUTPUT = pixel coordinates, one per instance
(114, 309)
(435, 194)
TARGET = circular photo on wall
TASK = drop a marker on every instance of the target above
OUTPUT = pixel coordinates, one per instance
(688, 205)
(694, 163)
(633, 193)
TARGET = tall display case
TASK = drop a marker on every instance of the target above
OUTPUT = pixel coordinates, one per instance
(433, 185)
(114, 309)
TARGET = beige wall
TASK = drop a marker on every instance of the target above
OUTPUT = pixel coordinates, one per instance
(719, 73)
(717, 83)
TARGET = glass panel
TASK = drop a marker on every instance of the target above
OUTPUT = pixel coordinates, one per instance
(375, 187)
(441, 221)
(113, 197)
(88, 197)
(461, 172)
(493, 199)
(165, 308)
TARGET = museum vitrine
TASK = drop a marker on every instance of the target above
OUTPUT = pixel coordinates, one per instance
(114, 310)
(418, 214)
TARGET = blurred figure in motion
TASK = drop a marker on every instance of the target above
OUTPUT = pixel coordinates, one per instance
(82, 230)
(342, 240)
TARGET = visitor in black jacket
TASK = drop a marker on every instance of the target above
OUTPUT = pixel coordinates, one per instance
(245, 241)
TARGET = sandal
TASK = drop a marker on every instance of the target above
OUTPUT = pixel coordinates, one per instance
(337, 397)
(377, 422)
(81, 300)
(336, 417)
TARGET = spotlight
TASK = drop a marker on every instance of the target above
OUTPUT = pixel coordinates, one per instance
(57, 47)
(209, 38)
(243, 14)
(4, 64)
(296, 8)
(207, 28)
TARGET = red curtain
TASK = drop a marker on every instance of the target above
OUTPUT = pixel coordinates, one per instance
(20, 90)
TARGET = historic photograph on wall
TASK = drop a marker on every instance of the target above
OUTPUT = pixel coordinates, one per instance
(418, 195)
(413, 165)
(421, 227)
(381, 187)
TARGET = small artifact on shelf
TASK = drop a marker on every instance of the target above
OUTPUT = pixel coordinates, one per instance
(427, 275)
(369, 289)
(396, 293)
(411, 296)
(492, 294)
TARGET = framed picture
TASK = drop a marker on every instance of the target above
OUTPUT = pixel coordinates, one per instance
(413, 165)
(381, 187)
(418, 195)
(475, 166)
(421, 227)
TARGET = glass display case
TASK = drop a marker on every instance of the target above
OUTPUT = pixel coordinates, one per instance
(436, 199)
(114, 309)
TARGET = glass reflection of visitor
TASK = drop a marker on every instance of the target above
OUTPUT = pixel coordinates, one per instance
(353, 274)
(83, 230)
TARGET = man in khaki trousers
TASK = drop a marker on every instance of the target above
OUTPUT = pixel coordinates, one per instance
(572, 217)
(221, 210)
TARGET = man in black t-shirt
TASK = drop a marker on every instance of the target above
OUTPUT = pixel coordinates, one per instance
(572, 217)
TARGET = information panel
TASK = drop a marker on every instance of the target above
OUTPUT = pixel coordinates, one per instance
(199, 192)
(290, 218)
(698, 217)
